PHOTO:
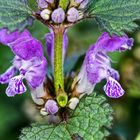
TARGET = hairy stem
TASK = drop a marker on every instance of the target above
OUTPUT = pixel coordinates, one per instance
(58, 62)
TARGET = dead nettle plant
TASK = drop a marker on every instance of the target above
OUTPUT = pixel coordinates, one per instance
(68, 102)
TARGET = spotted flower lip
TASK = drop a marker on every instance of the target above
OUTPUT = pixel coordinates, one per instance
(29, 62)
(97, 65)
(15, 86)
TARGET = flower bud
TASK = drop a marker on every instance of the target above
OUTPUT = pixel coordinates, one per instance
(42, 3)
(50, 1)
(45, 14)
(43, 112)
(51, 107)
(78, 1)
(73, 15)
(73, 103)
(58, 15)
(83, 4)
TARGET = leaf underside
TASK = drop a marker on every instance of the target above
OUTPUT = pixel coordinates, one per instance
(115, 16)
(14, 14)
(90, 120)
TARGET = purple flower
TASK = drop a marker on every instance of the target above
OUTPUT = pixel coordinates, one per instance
(27, 48)
(58, 15)
(51, 107)
(114, 43)
(29, 62)
(7, 37)
(50, 45)
(97, 65)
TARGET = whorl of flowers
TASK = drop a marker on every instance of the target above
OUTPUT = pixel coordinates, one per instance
(30, 64)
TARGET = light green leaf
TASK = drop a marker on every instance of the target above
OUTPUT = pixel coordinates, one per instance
(90, 120)
(14, 14)
(115, 16)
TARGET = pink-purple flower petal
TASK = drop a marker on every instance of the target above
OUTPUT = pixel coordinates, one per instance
(5, 77)
(35, 75)
(16, 86)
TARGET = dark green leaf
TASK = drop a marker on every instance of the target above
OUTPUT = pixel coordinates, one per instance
(14, 14)
(90, 120)
(115, 16)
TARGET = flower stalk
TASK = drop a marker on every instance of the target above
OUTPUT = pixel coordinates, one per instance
(62, 97)
(58, 60)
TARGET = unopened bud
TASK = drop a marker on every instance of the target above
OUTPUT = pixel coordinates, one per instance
(58, 15)
(42, 3)
(83, 4)
(45, 14)
(43, 112)
(50, 1)
(78, 1)
(51, 107)
(73, 103)
(73, 15)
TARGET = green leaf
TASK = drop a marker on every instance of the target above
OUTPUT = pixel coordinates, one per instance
(45, 132)
(138, 137)
(90, 120)
(115, 16)
(14, 14)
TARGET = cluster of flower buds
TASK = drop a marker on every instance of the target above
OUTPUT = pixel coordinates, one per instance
(68, 11)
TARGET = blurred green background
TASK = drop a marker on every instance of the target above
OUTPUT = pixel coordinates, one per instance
(127, 109)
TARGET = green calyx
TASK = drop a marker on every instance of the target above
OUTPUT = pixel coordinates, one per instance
(64, 4)
(62, 98)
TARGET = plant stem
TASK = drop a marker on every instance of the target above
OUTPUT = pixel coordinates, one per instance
(58, 62)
